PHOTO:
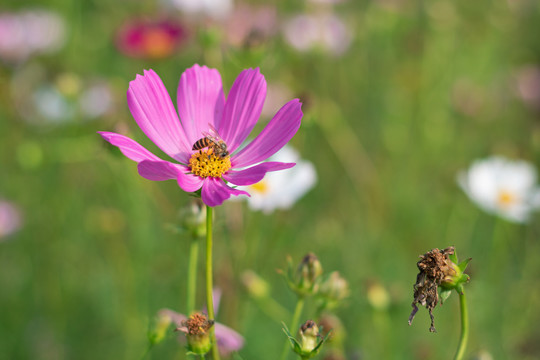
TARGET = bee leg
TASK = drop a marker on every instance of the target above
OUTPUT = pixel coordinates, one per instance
(210, 152)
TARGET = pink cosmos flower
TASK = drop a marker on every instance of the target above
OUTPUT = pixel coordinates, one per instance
(202, 106)
(10, 219)
(150, 38)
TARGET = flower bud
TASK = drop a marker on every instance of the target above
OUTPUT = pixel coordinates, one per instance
(193, 218)
(305, 279)
(158, 328)
(197, 330)
(334, 289)
(309, 271)
(330, 325)
(310, 340)
(309, 334)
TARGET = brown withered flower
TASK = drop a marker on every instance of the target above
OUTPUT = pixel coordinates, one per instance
(196, 328)
(436, 269)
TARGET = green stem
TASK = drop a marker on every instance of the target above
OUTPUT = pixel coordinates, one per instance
(192, 275)
(150, 346)
(294, 326)
(273, 309)
(464, 325)
(209, 281)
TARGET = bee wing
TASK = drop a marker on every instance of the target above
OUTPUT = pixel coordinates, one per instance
(212, 134)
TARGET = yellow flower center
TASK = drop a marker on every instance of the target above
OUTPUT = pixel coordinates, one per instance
(205, 163)
(505, 198)
(260, 187)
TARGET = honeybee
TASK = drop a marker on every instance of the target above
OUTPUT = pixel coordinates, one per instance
(213, 142)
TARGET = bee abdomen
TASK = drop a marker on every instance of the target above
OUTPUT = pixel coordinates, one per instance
(201, 144)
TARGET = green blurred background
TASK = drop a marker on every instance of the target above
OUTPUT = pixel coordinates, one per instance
(423, 89)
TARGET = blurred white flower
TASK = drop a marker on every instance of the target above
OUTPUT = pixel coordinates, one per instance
(30, 32)
(96, 100)
(322, 30)
(46, 99)
(10, 219)
(503, 187)
(281, 189)
(217, 9)
(52, 104)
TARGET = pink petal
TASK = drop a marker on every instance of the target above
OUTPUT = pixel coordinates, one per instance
(243, 107)
(154, 112)
(228, 340)
(200, 101)
(159, 170)
(129, 148)
(215, 192)
(273, 137)
(164, 170)
(255, 173)
(189, 182)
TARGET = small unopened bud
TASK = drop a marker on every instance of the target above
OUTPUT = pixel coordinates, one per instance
(331, 325)
(310, 340)
(309, 270)
(197, 330)
(334, 289)
(255, 285)
(193, 218)
(305, 279)
(309, 335)
(158, 328)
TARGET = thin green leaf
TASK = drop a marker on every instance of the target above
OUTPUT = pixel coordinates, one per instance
(463, 265)
(454, 257)
(444, 294)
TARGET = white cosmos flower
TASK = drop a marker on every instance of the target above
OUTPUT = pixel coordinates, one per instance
(326, 31)
(281, 189)
(216, 9)
(503, 187)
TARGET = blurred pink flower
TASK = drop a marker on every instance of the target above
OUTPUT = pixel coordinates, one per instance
(30, 32)
(202, 107)
(325, 30)
(528, 85)
(10, 219)
(277, 94)
(149, 38)
(249, 25)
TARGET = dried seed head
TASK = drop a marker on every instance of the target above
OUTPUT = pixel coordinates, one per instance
(435, 269)
(196, 328)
